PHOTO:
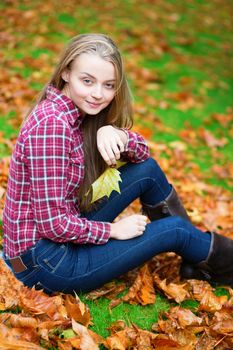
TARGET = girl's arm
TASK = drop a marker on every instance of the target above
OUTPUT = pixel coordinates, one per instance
(114, 143)
(136, 149)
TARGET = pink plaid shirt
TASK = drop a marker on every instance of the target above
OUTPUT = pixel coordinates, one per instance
(47, 167)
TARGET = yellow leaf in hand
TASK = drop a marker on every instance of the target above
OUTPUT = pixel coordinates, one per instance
(105, 184)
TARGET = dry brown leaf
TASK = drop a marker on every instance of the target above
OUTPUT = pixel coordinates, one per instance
(199, 288)
(211, 303)
(39, 303)
(130, 338)
(222, 322)
(10, 288)
(142, 291)
(185, 317)
(169, 344)
(77, 310)
(87, 341)
(11, 339)
(184, 337)
(109, 290)
(13, 320)
(116, 343)
(178, 292)
(210, 139)
(223, 119)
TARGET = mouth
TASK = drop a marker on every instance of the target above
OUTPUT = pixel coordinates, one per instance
(93, 104)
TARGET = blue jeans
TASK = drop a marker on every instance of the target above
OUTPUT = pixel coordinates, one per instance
(68, 267)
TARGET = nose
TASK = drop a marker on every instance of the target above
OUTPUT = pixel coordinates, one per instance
(97, 92)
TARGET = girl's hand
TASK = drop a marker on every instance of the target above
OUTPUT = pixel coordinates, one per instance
(129, 227)
(110, 143)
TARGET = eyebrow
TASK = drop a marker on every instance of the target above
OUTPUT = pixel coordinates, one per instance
(91, 76)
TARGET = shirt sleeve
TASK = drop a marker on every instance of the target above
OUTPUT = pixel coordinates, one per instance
(47, 148)
(136, 149)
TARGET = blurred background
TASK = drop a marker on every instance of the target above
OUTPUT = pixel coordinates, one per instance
(178, 60)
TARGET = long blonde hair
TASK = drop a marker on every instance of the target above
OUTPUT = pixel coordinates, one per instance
(118, 113)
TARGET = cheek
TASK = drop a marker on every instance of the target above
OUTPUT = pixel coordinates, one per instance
(79, 90)
(110, 96)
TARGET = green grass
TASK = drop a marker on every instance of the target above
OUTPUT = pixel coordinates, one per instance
(143, 316)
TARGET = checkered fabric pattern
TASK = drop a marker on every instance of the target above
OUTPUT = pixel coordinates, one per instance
(47, 167)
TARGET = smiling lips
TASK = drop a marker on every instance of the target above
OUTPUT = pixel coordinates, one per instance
(93, 104)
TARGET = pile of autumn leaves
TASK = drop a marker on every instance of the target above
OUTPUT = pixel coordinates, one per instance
(62, 321)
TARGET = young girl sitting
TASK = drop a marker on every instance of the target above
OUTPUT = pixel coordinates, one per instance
(54, 238)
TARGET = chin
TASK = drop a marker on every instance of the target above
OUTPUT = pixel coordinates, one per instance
(93, 111)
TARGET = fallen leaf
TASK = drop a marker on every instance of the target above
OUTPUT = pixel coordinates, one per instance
(141, 292)
(87, 341)
(210, 139)
(77, 310)
(211, 303)
(175, 291)
(185, 317)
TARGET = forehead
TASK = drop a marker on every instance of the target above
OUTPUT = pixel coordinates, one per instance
(94, 65)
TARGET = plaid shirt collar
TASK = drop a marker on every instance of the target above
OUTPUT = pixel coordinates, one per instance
(71, 110)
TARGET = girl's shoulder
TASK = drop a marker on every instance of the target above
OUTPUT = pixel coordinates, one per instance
(45, 114)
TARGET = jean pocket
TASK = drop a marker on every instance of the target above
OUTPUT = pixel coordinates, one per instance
(54, 257)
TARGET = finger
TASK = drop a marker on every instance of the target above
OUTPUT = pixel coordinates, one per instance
(141, 226)
(142, 220)
(121, 146)
(111, 155)
(144, 217)
(140, 232)
(104, 155)
(116, 151)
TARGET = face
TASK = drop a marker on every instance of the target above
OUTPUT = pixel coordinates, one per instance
(90, 83)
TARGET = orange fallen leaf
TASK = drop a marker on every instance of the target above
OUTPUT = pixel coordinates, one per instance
(185, 317)
(88, 339)
(10, 340)
(211, 303)
(175, 291)
(18, 320)
(77, 310)
(39, 303)
(142, 291)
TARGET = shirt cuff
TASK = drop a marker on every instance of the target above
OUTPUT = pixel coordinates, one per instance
(131, 142)
(100, 232)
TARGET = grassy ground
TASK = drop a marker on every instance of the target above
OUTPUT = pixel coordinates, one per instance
(178, 60)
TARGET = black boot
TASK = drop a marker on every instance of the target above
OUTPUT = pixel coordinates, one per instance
(170, 206)
(218, 266)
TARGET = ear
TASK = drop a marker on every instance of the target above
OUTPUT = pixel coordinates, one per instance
(65, 75)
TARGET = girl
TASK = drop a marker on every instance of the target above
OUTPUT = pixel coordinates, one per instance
(54, 238)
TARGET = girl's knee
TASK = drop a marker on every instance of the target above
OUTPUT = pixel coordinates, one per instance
(152, 167)
(173, 222)
(179, 223)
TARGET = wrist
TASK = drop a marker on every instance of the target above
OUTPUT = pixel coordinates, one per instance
(112, 231)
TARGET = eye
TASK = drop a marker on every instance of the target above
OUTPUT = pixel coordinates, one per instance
(87, 81)
(109, 86)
